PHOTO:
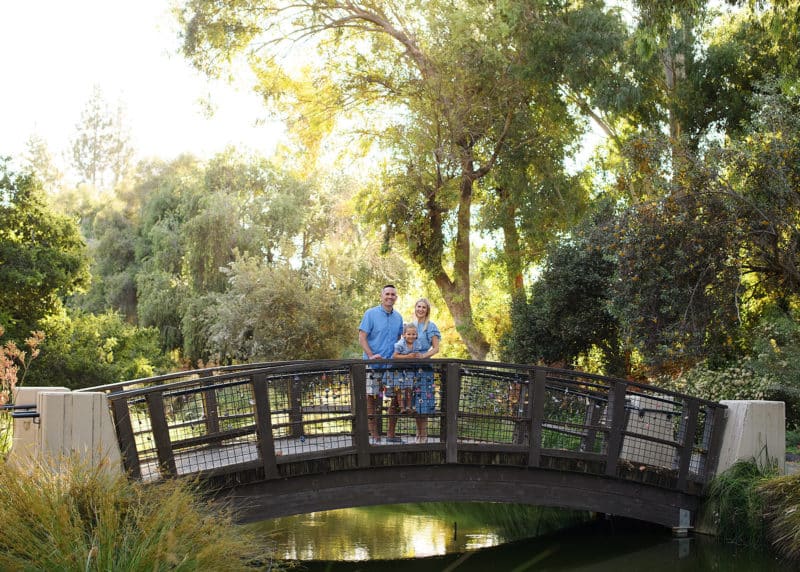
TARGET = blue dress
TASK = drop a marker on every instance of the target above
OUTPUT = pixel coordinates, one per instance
(424, 393)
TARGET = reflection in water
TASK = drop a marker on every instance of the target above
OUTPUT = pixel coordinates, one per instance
(409, 530)
(455, 537)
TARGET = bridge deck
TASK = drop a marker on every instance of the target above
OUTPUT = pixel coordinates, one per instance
(265, 423)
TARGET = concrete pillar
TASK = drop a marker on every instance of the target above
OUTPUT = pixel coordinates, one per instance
(754, 430)
(78, 425)
(25, 443)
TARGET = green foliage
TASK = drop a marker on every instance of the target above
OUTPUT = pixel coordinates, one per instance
(677, 284)
(735, 381)
(737, 505)
(761, 183)
(274, 313)
(86, 350)
(42, 256)
(82, 519)
(567, 312)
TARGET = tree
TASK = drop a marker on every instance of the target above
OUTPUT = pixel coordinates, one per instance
(442, 89)
(101, 147)
(41, 162)
(272, 312)
(569, 309)
(42, 256)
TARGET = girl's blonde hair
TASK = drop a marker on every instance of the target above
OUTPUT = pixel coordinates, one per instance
(409, 326)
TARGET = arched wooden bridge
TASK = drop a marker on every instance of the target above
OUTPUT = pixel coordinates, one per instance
(291, 437)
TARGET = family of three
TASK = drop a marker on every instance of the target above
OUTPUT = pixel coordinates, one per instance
(382, 334)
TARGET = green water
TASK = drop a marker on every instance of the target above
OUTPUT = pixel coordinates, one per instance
(481, 537)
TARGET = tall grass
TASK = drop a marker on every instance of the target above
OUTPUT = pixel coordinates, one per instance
(738, 505)
(782, 499)
(84, 519)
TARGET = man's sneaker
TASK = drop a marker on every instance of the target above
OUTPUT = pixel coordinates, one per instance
(394, 440)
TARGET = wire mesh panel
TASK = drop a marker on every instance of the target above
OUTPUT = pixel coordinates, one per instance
(490, 405)
(143, 438)
(312, 411)
(575, 417)
(411, 401)
(652, 429)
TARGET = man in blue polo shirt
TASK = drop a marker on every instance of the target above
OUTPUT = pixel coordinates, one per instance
(380, 328)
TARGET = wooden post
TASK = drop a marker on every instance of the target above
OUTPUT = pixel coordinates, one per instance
(688, 427)
(210, 406)
(521, 412)
(296, 407)
(358, 397)
(126, 437)
(717, 431)
(160, 428)
(538, 381)
(616, 417)
(591, 419)
(266, 442)
(452, 388)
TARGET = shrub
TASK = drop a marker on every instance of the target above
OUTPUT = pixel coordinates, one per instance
(84, 519)
(737, 381)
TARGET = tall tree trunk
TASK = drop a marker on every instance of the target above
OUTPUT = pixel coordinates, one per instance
(512, 250)
(456, 290)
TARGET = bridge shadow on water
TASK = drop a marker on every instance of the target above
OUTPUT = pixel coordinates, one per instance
(292, 437)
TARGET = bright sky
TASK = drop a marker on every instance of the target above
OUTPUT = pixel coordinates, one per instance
(55, 51)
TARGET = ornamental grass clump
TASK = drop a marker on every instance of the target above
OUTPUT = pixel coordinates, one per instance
(782, 499)
(737, 504)
(86, 519)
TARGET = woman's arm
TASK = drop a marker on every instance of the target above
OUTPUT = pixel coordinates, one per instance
(434, 349)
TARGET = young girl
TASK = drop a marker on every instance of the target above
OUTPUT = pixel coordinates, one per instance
(406, 348)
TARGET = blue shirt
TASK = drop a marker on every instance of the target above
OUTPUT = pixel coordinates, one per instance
(382, 329)
(401, 347)
(426, 336)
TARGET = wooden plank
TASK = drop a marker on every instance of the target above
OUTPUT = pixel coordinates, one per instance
(158, 424)
(617, 417)
(266, 443)
(686, 438)
(126, 438)
(452, 388)
(538, 383)
(358, 376)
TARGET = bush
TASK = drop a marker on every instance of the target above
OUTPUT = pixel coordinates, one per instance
(83, 519)
(737, 381)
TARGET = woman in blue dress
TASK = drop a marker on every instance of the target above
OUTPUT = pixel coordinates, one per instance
(423, 391)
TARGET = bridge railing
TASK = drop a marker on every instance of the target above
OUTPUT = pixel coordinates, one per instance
(270, 421)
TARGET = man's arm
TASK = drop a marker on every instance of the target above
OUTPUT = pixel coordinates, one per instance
(362, 341)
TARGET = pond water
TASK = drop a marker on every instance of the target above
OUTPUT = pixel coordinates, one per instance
(472, 537)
